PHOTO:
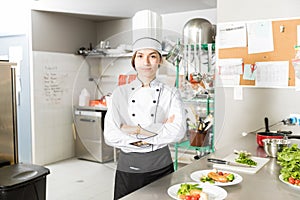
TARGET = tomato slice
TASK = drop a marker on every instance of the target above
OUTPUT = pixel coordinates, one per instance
(291, 180)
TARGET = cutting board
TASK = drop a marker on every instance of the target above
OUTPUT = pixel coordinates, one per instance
(251, 170)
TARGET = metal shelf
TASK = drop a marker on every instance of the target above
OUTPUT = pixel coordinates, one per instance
(208, 103)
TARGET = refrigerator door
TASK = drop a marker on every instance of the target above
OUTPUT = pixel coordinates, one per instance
(8, 126)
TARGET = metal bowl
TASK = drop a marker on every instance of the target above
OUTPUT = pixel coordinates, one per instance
(272, 146)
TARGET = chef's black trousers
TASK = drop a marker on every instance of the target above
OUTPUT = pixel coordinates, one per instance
(126, 182)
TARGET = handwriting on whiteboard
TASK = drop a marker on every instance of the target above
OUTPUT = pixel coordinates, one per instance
(53, 84)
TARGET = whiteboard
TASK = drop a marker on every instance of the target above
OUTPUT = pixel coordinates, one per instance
(58, 79)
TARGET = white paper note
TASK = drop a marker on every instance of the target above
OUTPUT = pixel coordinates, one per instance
(274, 73)
(238, 93)
(232, 35)
(260, 37)
(230, 66)
(228, 80)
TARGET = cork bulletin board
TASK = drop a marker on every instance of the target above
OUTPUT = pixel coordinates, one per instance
(284, 43)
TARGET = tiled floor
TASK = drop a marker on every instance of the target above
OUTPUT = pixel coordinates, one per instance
(76, 179)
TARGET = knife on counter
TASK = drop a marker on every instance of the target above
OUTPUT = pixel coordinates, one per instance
(224, 162)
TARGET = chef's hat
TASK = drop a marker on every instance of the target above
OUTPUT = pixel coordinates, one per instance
(147, 43)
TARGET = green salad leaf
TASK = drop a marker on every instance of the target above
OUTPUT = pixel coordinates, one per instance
(185, 188)
(289, 160)
(244, 158)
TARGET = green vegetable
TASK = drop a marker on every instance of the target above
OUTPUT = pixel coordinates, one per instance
(289, 160)
(206, 179)
(230, 177)
(245, 159)
(185, 188)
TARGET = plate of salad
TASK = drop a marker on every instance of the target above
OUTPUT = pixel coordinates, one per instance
(195, 191)
(216, 177)
(294, 183)
(289, 160)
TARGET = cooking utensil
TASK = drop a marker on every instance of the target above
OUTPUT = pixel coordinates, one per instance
(267, 124)
(273, 135)
(272, 146)
(220, 161)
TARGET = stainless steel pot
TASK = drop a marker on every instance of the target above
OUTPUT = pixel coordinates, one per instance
(199, 31)
(260, 136)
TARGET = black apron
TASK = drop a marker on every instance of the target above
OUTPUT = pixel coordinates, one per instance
(136, 170)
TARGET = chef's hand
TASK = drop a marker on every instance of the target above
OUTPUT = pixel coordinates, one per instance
(170, 119)
(129, 129)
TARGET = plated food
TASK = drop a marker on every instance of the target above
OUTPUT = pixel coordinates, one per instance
(189, 191)
(208, 192)
(289, 160)
(216, 177)
(289, 183)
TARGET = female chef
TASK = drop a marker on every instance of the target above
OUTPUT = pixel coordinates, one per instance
(143, 117)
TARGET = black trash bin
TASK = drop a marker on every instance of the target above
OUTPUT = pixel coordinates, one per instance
(4, 163)
(23, 182)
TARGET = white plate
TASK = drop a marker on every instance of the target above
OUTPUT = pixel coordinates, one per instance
(289, 184)
(213, 192)
(196, 176)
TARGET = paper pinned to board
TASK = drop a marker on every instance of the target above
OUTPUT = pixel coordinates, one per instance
(249, 72)
(229, 71)
(272, 74)
(260, 37)
(232, 35)
(230, 66)
(228, 80)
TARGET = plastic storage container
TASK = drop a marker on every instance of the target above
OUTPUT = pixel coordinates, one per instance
(23, 182)
(84, 98)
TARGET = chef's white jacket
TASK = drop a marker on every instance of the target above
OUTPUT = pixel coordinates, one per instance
(150, 107)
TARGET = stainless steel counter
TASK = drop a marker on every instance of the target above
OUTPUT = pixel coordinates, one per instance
(265, 184)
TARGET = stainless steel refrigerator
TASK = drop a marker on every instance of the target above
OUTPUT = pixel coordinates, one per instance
(8, 114)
